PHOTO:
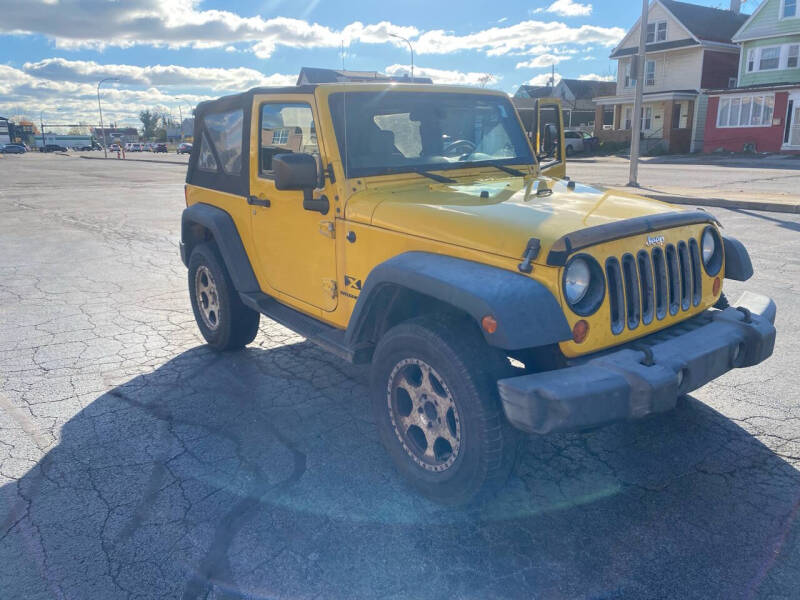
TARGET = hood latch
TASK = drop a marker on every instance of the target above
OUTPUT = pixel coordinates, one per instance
(531, 252)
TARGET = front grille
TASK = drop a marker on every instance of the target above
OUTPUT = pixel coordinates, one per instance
(646, 287)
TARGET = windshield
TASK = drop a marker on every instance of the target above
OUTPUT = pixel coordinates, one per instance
(393, 132)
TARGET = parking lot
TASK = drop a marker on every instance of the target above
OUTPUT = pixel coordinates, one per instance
(135, 463)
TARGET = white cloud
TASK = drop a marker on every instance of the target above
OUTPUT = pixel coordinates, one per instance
(73, 98)
(518, 38)
(567, 8)
(543, 79)
(444, 76)
(543, 60)
(79, 71)
(596, 77)
(176, 23)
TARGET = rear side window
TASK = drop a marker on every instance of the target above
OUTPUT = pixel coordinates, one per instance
(205, 159)
(225, 131)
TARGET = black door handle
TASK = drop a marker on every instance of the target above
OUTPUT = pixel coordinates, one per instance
(256, 201)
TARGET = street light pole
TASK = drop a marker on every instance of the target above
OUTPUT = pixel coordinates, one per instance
(100, 108)
(640, 64)
(41, 124)
(410, 47)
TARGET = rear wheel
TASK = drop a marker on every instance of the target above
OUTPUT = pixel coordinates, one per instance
(435, 402)
(225, 322)
(570, 151)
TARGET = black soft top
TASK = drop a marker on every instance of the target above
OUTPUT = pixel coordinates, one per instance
(238, 184)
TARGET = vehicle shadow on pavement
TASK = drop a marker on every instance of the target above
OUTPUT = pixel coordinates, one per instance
(258, 474)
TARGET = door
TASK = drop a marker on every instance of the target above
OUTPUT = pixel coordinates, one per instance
(295, 247)
(792, 137)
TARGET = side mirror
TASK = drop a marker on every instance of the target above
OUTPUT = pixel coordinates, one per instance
(299, 172)
(294, 171)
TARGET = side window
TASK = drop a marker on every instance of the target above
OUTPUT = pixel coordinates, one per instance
(205, 159)
(285, 128)
(225, 133)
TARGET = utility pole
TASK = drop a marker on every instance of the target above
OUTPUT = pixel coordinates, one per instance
(100, 108)
(41, 124)
(410, 47)
(637, 67)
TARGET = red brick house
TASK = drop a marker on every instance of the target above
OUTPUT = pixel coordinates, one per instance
(762, 114)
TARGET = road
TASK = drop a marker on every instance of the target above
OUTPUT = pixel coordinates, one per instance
(738, 179)
(135, 463)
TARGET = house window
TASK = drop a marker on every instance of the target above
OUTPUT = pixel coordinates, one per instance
(770, 58)
(280, 136)
(732, 82)
(650, 73)
(792, 59)
(629, 81)
(657, 32)
(628, 117)
(789, 9)
(751, 60)
(746, 111)
(647, 118)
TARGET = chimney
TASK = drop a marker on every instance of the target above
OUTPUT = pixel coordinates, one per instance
(736, 6)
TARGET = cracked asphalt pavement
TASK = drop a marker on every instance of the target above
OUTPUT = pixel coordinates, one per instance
(136, 463)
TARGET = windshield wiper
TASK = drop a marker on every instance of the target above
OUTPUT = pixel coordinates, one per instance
(434, 176)
(505, 169)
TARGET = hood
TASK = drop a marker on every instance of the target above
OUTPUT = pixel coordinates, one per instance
(497, 216)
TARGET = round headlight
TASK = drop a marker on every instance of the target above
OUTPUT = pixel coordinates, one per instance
(576, 280)
(709, 246)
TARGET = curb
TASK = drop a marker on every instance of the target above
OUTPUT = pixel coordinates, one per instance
(732, 204)
(143, 160)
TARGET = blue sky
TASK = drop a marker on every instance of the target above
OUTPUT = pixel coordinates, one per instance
(53, 52)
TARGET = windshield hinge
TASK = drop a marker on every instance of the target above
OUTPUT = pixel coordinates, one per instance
(328, 229)
(327, 172)
(330, 287)
(531, 252)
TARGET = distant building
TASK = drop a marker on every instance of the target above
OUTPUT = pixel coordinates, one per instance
(5, 138)
(312, 75)
(577, 100)
(111, 135)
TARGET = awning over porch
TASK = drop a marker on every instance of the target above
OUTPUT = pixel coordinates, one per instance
(676, 95)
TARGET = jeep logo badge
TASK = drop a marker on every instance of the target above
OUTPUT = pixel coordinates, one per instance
(657, 240)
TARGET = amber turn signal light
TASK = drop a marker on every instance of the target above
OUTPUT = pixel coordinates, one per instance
(580, 331)
(717, 285)
(489, 324)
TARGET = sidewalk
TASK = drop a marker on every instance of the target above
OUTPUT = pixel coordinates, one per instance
(752, 183)
(748, 201)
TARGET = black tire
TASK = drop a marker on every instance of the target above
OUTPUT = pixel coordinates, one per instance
(570, 151)
(225, 322)
(467, 370)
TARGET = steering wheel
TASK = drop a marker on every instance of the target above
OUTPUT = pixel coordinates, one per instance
(459, 148)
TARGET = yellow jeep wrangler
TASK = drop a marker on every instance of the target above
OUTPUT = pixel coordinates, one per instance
(409, 226)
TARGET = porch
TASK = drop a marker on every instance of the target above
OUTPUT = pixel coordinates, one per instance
(667, 121)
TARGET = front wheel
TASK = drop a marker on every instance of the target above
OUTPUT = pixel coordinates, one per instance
(225, 322)
(435, 402)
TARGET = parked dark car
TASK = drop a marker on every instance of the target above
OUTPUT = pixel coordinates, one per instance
(52, 148)
(160, 147)
(184, 148)
(12, 149)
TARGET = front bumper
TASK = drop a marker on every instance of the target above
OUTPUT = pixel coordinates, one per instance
(645, 377)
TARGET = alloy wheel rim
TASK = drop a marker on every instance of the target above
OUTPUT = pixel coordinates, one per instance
(424, 415)
(207, 297)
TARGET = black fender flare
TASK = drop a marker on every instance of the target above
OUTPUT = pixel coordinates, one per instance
(527, 313)
(227, 238)
(737, 260)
